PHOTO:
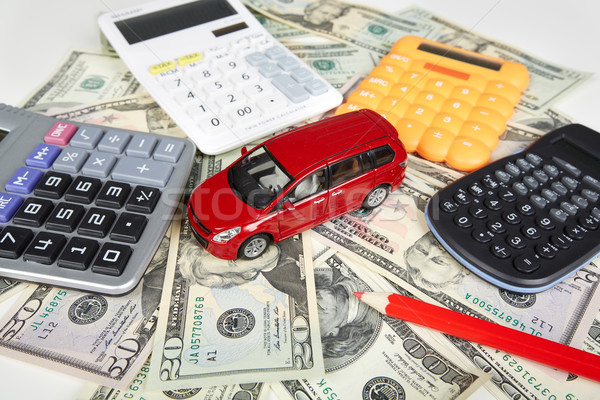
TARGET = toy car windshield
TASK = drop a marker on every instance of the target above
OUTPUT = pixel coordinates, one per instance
(257, 179)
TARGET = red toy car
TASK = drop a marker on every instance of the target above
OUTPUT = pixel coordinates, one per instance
(296, 181)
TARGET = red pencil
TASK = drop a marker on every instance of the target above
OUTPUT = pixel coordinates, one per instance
(487, 333)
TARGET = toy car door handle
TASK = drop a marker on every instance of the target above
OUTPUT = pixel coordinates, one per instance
(337, 192)
(318, 201)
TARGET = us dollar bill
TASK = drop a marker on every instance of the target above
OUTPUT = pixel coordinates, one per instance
(547, 81)
(368, 355)
(592, 340)
(136, 391)
(357, 25)
(103, 339)
(84, 77)
(395, 241)
(10, 287)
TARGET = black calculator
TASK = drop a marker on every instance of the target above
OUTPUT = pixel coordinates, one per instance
(527, 221)
(84, 206)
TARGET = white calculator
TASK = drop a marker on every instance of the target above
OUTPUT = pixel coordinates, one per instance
(216, 71)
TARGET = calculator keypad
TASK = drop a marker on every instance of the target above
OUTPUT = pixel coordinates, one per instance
(84, 199)
(521, 219)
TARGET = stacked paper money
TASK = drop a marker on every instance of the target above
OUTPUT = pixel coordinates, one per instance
(303, 334)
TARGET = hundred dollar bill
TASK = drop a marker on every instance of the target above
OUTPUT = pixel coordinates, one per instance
(547, 81)
(371, 356)
(84, 77)
(361, 26)
(103, 339)
(136, 391)
(395, 241)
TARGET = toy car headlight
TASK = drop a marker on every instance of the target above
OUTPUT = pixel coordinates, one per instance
(227, 235)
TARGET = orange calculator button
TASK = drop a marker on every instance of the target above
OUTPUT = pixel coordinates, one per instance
(420, 113)
(387, 71)
(404, 91)
(369, 97)
(430, 99)
(393, 105)
(397, 59)
(457, 107)
(491, 118)
(441, 86)
(448, 121)
(349, 107)
(435, 143)
(466, 94)
(410, 133)
(496, 103)
(467, 154)
(376, 83)
(481, 132)
(506, 90)
(415, 78)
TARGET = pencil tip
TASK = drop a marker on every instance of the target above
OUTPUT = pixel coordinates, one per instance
(358, 294)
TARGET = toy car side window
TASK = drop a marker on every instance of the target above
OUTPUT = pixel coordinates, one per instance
(382, 155)
(346, 169)
(312, 184)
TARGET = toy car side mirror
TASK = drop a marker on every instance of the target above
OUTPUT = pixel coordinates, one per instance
(244, 151)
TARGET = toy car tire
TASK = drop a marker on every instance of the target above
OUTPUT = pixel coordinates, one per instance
(376, 197)
(254, 246)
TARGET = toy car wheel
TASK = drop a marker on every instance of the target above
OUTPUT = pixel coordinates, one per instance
(376, 197)
(254, 246)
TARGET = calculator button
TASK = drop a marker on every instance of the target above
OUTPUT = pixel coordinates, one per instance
(512, 169)
(13, 241)
(590, 195)
(83, 190)
(45, 248)
(289, 87)
(70, 160)
(568, 167)
(545, 223)
(531, 182)
(272, 102)
(500, 250)
(168, 150)
(9, 204)
(476, 189)
(497, 103)
(481, 132)
(489, 182)
(434, 144)
(575, 231)
(377, 83)
(502, 176)
(493, 203)
(496, 226)
(410, 133)
(24, 180)
(316, 87)
(143, 199)
(463, 221)
(507, 195)
(189, 58)
(135, 170)
(448, 206)
(128, 228)
(53, 185)
(569, 182)
(465, 94)
(113, 194)
(526, 208)
(447, 121)
(546, 251)
(42, 156)
(60, 133)
(511, 217)
(531, 232)
(111, 259)
(141, 146)
(467, 154)
(33, 212)
(538, 201)
(217, 87)
(487, 116)
(288, 63)
(579, 201)
(549, 195)
(478, 212)
(430, 99)
(275, 53)
(596, 212)
(243, 114)
(559, 188)
(481, 235)
(551, 170)
(421, 113)
(256, 59)
(569, 208)
(540, 176)
(65, 217)
(270, 70)
(97, 222)
(397, 59)
(86, 137)
(244, 78)
(558, 215)
(114, 141)
(441, 86)
(162, 67)
(386, 71)
(590, 222)
(506, 90)
(462, 197)
(404, 91)
(98, 164)
(534, 159)
(526, 263)
(78, 254)
(516, 241)
(457, 107)
(561, 241)
(520, 188)
(593, 182)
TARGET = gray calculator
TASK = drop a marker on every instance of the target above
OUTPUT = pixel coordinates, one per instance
(84, 206)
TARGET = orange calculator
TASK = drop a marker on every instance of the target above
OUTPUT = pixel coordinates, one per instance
(448, 104)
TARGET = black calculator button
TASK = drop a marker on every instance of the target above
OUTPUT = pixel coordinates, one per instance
(78, 254)
(500, 250)
(516, 241)
(113, 194)
(575, 231)
(534, 159)
(13, 241)
(45, 248)
(531, 232)
(65, 217)
(540, 176)
(53, 185)
(523, 164)
(511, 218)
(481, 235)
(579, 201)
(448, 206)
(489, 182)
(526, 263)
(463, 221)
(97, 222)
(143, 199)
(570, 168)
(512, 169)
(590, 195)
(507, 195)
(493, 203)
(129, 227)
(496, 226)
(530, 182)
(476, 190)
(596, 213)
(593, 182)
(545, 250)
(569, 182)
(551, 170)
(545, 223)
(462, 197)
(559, 188)
(33, 212)
(538, 201)
(549, 195)
(520, 188)
(590, 222)
(526, 208)
(558, 215)
(111, 259)
(569, 208)
(502, 176)
(83, 190)
(478, 212)
(561, 241)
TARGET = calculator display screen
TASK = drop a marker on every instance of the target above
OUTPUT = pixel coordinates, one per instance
(3, 134)
(460, 56)
(575, 151)
(163, 22)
